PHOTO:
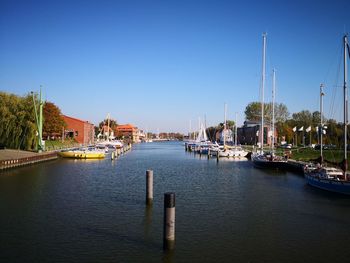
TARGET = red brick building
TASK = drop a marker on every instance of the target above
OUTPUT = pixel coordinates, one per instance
(82, 131)
(128, 131)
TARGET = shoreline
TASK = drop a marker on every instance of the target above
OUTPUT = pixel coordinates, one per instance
(10, 158)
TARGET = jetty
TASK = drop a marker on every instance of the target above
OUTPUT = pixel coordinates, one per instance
(14, 158)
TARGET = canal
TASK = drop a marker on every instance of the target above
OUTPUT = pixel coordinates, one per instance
(94, 211)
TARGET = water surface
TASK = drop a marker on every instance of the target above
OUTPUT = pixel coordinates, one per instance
(94, 211)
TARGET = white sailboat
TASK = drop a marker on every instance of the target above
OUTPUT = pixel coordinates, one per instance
(110, 141)
(235, 151)
(260, 158)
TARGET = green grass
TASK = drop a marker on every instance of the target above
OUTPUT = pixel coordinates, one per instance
(57, 145)
(306, 154)
(310, 154)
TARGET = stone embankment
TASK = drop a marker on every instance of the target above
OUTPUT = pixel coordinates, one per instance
(15, 158)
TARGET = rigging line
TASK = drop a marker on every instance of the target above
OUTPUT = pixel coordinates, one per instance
(334, 107)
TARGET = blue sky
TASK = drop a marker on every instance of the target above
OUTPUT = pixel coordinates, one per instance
(161, 64)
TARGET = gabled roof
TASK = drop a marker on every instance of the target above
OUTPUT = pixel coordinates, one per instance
(126, 127)
(65, 116)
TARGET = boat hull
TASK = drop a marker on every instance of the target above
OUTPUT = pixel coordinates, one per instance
(82, 155)
(337, 186)
(267, 164)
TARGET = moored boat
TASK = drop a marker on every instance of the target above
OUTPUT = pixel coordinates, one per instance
(260, 158)
(330, 178)
(82, 154)
(269, 160)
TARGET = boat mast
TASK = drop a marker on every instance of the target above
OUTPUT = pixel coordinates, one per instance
(346, 46)
(320, 130)
(224, 132)
(273, 108)
(236, 131)
(262, 94)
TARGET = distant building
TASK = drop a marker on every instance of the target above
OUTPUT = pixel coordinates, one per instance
(228, 134)
(82, 131)
(249, 133)
(128, 131)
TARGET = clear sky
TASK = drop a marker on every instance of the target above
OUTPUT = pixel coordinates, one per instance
(161, 64)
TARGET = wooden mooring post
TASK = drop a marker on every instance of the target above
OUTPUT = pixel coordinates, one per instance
(149, 187)
(169, 221)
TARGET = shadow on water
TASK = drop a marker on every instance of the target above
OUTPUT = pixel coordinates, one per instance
(148, 219)
(117, 237)
(328, 195)
(272, 172)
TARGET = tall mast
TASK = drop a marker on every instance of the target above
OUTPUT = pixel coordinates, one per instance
(273, 108)
(236, 131)
(108, 120)
(320, 130)
(224, 132)
(346, 46)
(262, 93)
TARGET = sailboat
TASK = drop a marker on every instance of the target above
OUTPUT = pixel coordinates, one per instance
(236, 151)
(263, 159)
(202, 143)
(110, 141)
(330, 178)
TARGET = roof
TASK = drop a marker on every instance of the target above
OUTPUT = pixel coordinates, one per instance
(65, 116)
(126, 126)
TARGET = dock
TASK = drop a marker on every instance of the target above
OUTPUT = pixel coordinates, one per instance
(296, 166)
(14, 158)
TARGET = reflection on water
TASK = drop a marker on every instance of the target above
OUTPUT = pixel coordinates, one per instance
(226, 211)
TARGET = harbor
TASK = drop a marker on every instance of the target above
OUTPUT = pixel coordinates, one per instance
(228, 211)
(174, 131)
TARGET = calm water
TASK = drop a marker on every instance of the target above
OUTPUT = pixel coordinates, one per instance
(94, 211)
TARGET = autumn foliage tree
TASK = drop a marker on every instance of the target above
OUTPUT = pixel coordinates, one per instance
(53, 120)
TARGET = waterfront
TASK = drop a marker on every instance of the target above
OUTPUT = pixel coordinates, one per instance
(94, 211)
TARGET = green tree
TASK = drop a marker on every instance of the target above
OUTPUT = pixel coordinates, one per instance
(112, 123)
(211, 131)
(253, 112)
(302, 118)
(17, 121)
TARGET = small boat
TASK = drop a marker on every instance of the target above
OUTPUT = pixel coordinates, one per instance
(330, 178)
(237, 151)
(82, 154)
(269, 161)
(226, 150)
(260, 158)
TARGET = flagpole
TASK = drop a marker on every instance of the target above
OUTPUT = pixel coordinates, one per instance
(321, 126)
(310, 142)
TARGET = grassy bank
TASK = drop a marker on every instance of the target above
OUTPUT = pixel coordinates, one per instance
(310, 154)
(57, 145)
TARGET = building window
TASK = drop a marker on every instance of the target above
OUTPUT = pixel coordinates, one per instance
(76, 133)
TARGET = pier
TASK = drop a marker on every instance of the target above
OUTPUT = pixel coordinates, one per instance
(15, 158)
